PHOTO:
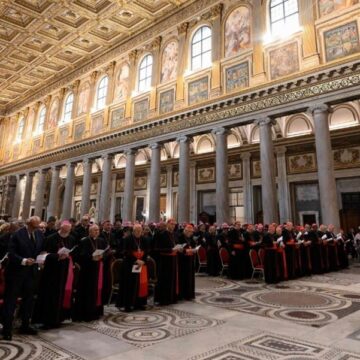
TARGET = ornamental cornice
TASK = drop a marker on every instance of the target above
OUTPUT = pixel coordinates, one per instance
(235, 110)
(124, 47)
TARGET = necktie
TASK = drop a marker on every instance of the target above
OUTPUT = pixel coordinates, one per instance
(32, 237)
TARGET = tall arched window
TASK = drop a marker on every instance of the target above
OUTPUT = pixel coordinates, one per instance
(201, 48)
(41, 120)
(145, 73)
(284, 16)
(20, 130)
(69, 102)
(102, 93)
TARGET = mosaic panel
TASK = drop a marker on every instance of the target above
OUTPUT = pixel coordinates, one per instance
(79, 131)
(148, 328)
(346, 158)
(116, 117)
(141, 110)
(284, 60)
(237, 77)
(235, 171)
(167, 99)
(63, 135)
(97, 124)
(301, 163)
(341, 41)
(198, 90)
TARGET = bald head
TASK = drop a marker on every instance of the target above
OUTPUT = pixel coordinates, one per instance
(33, 223)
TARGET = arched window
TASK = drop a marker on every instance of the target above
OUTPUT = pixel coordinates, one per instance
(20, 130)
(201, 48)
(102, 93)
(145, 73)
(41, 121)
(284, 16)
(68, 108)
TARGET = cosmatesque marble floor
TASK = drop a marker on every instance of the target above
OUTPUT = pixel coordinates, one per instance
(316, 317)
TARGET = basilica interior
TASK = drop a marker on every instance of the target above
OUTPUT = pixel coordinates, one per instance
(198, 110)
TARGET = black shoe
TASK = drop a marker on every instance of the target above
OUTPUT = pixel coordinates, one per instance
(7, 336)
(28, 330)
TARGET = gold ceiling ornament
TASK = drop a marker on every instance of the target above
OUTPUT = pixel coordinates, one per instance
(45, 40)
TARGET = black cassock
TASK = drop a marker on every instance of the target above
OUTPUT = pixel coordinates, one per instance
(239, 256)
(133, 286)
(167, 288)
(186, 268)
(54, 299)
(212, 255)
(88, 300)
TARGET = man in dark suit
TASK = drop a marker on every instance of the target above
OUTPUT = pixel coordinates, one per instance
(24, 246)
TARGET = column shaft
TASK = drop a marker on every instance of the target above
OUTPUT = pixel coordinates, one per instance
(86, 187)
(104, 208)
(326, 176)
(129, 186)
(27, 195)
(154, 205)
(268, 183)
(40, 191)
(222, 175)
(247, 188)
(68, 194)
(184, 180)
(283, 187)
(51, 211)
(17, 199)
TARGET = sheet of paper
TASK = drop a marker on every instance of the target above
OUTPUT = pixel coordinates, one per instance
(40, 259)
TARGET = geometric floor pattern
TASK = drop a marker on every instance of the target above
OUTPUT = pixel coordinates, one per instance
(270, 346)
(150, 327)
(303, 304)
(316, 317)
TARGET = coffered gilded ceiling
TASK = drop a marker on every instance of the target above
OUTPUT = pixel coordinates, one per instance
(41, 40)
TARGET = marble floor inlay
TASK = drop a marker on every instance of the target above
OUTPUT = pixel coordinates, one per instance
(301, 319)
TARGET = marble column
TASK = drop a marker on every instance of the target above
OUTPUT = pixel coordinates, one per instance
(169, 196)
(27, 195)
(283, 186)
(86, 186)
(105, 192)
(222, 176)
(247, 188)
(154, 204)
(40, 191)
(184, 180)
(268, 182)
(113, 197)
(69, 189)
(16, 206)
(326, 176)
(129, 185)
(51, 210)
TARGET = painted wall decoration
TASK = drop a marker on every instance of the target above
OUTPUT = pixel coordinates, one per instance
(63, 135)
(198, 90)
(16, 152)
(256, 168)
(122, 82)
(36, 146)
(301, 163)
(53, 116)
(49, 141)
(140, 183)
(237, 77)
(169, 62)
(116, 117)
(284, 60)
(341, 41)
(167, 99)
(78, 189)
(120, 184)
(141, 110)
(175, 179)
(237, 31)
(30, 123)
(347, 158)
(235, 171)
(83, 99)
(329, 6)
(79, 131)
(163, 180)
(205, 175)
(97, 124)
(307, 192)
